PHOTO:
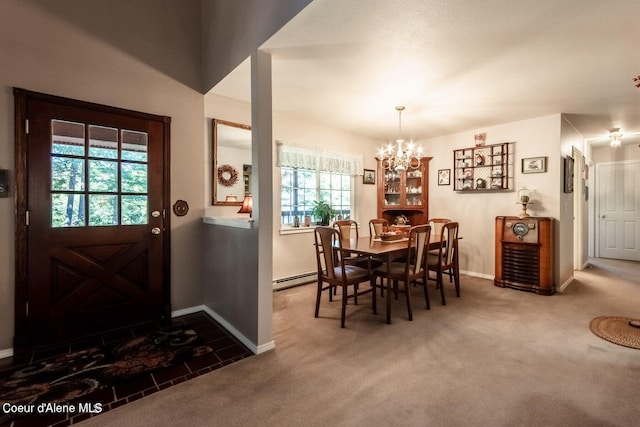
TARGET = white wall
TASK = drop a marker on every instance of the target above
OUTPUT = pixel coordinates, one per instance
(42, 52)
(476, 212)
(294, 253)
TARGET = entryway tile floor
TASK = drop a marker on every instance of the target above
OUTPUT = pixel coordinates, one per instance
(226, 350)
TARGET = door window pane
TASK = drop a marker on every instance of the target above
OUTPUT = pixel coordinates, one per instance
(103, 142)
(134, 178)
(134, 210)
(89, 160)
(103, 176)
(67, 210)
(67, 174)
(103, 209)
(134, 145)
(67, 138)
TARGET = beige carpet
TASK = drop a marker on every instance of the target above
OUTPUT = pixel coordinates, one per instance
(494, 357)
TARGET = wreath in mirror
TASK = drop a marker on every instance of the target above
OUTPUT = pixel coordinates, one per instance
(227, 175)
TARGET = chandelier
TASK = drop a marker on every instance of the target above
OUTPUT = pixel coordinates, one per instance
(400, 157)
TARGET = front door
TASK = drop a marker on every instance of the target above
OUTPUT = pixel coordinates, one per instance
(618, 189)
(92, 218)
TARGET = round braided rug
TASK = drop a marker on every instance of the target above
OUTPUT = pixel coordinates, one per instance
(617, 330)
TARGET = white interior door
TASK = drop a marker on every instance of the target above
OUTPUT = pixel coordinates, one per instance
(618, 189)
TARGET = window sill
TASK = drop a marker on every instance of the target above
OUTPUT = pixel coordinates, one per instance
(284, 230)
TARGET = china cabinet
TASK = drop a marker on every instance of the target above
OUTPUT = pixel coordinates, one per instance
(484, 168)
(403, 196)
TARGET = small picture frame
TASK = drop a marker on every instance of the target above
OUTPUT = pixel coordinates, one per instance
(534, 165)
(369, 176)
(444, 176)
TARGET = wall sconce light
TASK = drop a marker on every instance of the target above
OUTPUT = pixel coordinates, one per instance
(615, 137)
(247, 205)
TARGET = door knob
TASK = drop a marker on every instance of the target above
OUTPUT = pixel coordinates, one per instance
(155, 230)
(603, 216)
(155, 214)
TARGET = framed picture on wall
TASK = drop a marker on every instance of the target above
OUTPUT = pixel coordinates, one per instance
(444, 176)
(568, 174)
(534, 165)
(369, 176)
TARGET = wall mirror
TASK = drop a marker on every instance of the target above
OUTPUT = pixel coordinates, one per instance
(231, 175)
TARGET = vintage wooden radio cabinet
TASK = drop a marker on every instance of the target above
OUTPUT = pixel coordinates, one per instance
(524, 254)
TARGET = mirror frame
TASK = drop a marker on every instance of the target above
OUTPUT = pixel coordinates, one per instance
(214, 163)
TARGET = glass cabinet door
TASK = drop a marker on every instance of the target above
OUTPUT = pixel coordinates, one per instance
(413, 188)
(392, 188)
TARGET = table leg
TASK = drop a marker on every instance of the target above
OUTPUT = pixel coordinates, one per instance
(388, 289)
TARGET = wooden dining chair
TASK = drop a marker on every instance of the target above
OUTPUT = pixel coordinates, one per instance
(348, 228)
(436, 230)
(414, 267)
(344, 276)
(446, 258)
(377, 226)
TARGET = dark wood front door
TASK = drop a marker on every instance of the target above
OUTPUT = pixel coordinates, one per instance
(92, 224)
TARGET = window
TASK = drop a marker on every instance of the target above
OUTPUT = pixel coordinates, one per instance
(98, 175)
(301, 187)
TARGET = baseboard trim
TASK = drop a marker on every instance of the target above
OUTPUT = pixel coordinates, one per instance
(6, 353)
(566, 284)
(189, 310)
(480, 275)
(255, 349)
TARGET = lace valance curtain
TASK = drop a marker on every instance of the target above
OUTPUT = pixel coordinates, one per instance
(303, 157)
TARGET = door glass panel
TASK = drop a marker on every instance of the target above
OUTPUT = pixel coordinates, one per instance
(134, 178)
(67, 138)
(85, 167)
(67, 210)
(134, 210)
(103, 142)
(103, 176)
(103, 209)
(134, 145)
(67, 174)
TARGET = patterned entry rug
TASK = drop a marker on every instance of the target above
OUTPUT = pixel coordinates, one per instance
(70, 379)
(623, 331)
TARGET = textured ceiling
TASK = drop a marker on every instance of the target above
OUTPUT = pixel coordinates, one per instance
(456, 65)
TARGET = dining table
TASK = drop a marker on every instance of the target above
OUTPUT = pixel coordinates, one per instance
(376, 247)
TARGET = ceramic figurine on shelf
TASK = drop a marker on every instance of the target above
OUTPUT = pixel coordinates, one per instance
(401, 220)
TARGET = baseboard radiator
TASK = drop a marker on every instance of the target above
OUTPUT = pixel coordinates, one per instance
(291, 281)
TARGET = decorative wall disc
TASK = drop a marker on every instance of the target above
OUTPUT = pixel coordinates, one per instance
(180, 208)
(227, 175)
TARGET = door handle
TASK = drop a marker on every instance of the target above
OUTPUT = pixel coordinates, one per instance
(603, 216)
(155, 230)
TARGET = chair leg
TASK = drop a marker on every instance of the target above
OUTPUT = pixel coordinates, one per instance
(426, 294)
(374, 303)
(318, 297)
(344, 306)
(355, 296)
(441, 284)
(456, 278)
(408, 294)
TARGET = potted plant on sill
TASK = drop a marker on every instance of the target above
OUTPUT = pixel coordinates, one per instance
(323, 211)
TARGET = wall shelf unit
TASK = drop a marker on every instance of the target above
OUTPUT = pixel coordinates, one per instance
(484, 168)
